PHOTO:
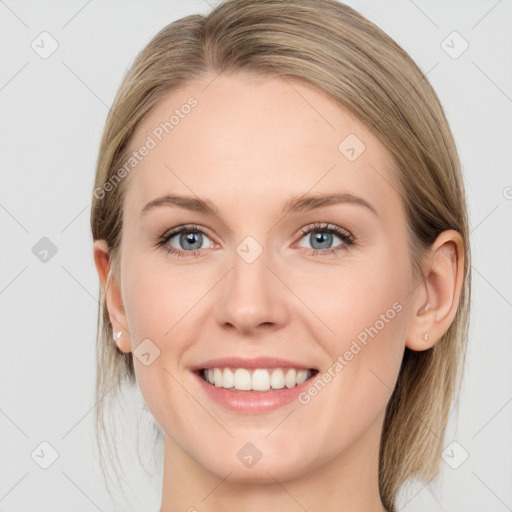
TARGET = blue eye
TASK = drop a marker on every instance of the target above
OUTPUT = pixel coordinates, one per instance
(189, 237)
(321, 236)
(191, 240)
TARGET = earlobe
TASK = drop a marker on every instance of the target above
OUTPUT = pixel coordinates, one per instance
(113, 301)
(436, 300)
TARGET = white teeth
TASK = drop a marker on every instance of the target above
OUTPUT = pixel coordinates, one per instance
(217, 377)
(277, 379)
(302, 375)
(261, 379)
(291, 378)
(228, 380)
(242, 379)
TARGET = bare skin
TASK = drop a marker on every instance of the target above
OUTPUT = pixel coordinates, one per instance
(249, 146)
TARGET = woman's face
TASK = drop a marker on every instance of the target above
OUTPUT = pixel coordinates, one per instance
(259, 278)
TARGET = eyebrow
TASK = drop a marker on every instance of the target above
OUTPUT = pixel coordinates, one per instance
(294, 205)
(306, 203)
(189, 203)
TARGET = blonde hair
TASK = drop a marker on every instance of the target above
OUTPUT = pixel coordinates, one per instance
(334, 48)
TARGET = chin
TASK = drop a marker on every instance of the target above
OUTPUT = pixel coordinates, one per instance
(275, 467)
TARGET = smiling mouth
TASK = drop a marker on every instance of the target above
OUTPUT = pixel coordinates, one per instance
(259, 380)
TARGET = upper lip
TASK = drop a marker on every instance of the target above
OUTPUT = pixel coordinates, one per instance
(255, 362)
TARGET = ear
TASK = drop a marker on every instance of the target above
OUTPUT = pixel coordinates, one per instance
(113, 298)
(440, 289)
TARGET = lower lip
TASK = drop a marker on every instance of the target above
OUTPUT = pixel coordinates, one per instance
(253, 401)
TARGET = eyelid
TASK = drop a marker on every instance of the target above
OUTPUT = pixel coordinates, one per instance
(318, 226)
(185, 227)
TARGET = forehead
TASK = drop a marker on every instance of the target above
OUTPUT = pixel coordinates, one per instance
(242, 139)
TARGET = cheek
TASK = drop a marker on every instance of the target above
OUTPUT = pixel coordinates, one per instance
(358, 300)
(161, 304)
(367, 320)
(156, 311)
(158, 296)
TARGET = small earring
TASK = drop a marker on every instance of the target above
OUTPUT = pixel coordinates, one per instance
(425, 336)
(117, 335)
(427, 307)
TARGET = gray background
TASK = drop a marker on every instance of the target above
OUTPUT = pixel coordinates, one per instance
(52, 111)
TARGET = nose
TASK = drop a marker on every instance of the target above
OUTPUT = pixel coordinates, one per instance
(252, 299)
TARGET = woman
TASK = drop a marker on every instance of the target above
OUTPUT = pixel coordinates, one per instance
(305, 348)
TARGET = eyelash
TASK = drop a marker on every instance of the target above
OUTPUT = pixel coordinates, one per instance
(346, 237)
